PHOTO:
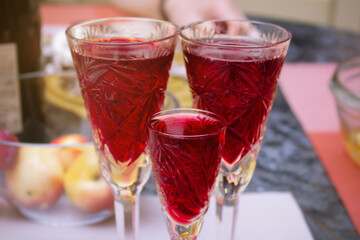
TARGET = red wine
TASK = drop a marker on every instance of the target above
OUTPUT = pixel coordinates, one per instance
(239, 88)
(121, 93)
(185, 150)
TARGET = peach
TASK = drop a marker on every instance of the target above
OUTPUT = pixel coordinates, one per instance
(36, 180)
(85, 186)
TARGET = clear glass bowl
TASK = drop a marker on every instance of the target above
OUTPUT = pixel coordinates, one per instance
(49, 171)
(345, 87)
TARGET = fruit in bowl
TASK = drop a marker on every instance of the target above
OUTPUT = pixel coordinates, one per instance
(84, 184)
(40, 184)
(33, 164)
(36, 179)
(67, 155)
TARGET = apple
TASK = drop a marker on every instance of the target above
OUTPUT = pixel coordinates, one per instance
(7, 153)
(85, 186)
(70, 139)
(68, 155)
(36, 180)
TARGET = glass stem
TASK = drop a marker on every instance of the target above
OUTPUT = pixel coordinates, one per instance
(228, 188)
(127, 217)
(226, 215)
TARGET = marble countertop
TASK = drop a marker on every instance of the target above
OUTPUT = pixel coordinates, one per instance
(287, 161)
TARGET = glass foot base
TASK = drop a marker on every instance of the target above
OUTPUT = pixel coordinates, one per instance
(183, 232)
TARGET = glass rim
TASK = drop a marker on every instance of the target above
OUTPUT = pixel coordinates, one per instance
(187, 110)
(44, 145)
(40, 74)
(337, 85)
(288, 38)
(138, 19)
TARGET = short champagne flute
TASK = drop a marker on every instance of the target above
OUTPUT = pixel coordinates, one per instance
(185, 150)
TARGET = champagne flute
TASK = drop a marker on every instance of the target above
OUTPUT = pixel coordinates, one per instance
(233, 67)
(123, 67)
(185, 149)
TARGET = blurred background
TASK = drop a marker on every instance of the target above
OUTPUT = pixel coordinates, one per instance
(340, 14)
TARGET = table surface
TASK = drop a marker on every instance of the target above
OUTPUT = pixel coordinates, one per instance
(287, 160)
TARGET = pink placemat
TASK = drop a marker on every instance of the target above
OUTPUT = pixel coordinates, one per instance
(305, 87)
(67, 14)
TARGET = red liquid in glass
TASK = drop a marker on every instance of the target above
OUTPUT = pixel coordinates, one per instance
(242, 91)
(184, 168)
(121, 91)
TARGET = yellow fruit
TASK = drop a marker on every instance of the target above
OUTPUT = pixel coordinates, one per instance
(84, 184)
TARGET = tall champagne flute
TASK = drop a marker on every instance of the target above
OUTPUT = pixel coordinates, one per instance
(123, 68)
(185, 149)
(233, 67)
